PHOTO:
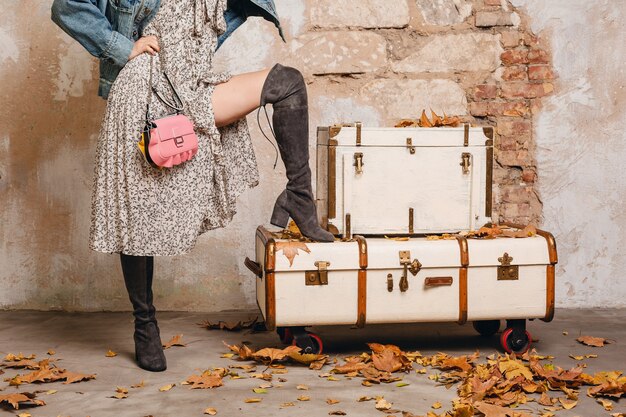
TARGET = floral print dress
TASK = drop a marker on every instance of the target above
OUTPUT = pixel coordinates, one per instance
(140, 210)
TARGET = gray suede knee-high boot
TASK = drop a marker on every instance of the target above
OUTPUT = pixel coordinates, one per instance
(137, 272)
(285, 88)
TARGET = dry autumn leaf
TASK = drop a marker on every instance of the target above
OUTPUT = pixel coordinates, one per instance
(331, 401)
(290, 249)
(382, 404)
(208, 379)
(120, 393)
(303, 398)
(110, 354)
(337, 413)
(210, 411)
(273, 354)
(229, 326)
(174, 341)
(593, 341)
(21, 398)
(167, 387)
(302, 387)
(252, 400)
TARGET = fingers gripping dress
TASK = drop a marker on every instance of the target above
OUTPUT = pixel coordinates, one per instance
(140, 210)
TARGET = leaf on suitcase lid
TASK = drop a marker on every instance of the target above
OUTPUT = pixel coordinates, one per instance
(593, 341)
(21, 398)
(423, 121)
(407, 123)
(290, 249)
(528, 231)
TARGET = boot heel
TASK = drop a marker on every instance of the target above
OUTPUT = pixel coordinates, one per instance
(280, 216)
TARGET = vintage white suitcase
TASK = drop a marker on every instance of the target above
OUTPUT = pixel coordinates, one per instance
(374, 180)
(378, 280)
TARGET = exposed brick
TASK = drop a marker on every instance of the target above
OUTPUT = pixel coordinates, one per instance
(507, 143)
(531, 40)
(485, 91)
(489, 19)
(513, 127)
(529, 176)
(516, 194)
(525, 90)
(493, 2)
(515, 56)
(538, 56)
(512, 211)
(540, 72)
(510, 39)
(517, 158)
(362, 13)
(516, 72)
(499, 108)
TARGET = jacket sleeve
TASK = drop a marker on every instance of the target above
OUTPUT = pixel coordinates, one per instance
(83, 21)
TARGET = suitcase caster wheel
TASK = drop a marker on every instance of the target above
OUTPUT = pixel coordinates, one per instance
(285, 334)
(310, 343)
(487, 328)
(514, 340)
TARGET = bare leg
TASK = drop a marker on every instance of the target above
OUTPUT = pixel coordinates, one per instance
(238, 96)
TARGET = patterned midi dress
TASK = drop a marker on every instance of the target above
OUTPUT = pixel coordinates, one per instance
(140, 210)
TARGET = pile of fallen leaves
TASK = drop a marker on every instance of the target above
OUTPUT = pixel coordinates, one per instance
(434, 121)
(43, 371)
(491, 231)
(497, 388)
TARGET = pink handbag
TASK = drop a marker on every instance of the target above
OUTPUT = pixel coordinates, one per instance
(170, 140)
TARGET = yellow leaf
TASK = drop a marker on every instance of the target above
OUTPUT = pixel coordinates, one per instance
(174, 341)
(302, 387)
(284, 405)
(303, 398)
(382, 404)
(608, 405)
(253, 400)
(51, 352)
(50, 392)
(110, 354)
(331, 401)
(568, 405)
(436, 405)
(24, 415)
(210, 411)
(167, 387)
(139, 385)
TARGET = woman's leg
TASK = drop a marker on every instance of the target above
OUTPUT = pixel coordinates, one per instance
(137, 272)
(285, 89)
(238, 96)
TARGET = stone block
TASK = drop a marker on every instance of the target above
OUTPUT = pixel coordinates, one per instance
(490, 19)
(511, 39)
(449, 53)
(444, 13)
(406, 98)
(359, 13)
(340, 52)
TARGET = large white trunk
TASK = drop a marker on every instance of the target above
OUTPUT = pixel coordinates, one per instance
(403, 180)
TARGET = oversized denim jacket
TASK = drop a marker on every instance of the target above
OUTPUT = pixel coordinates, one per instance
(109, 28)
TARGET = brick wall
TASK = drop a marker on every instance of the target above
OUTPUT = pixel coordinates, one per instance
(475, 59)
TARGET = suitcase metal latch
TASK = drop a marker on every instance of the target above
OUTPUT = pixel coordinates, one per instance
(413, 266)
(506, 271)
(466, 162)
(358, 162)
(319, 277)
(409, 144)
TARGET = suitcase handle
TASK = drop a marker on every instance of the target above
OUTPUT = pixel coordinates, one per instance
(438, 281)
(254, 267)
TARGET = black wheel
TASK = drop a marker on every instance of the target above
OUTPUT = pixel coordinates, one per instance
(310, 343)
(285, 334)
(515, 340)
(487, 328)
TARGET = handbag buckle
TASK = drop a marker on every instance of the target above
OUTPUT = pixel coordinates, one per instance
(179, 141)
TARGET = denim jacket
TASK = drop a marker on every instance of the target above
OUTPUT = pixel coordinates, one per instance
(109, 28)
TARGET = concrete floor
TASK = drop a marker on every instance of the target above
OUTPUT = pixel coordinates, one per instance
(81, 341)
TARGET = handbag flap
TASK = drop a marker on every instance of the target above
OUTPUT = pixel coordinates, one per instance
(174, 126)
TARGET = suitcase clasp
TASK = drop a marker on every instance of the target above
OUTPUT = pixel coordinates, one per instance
(408, 266)
(506, 271)
(466, 162)
(358, 162)
(319, 277)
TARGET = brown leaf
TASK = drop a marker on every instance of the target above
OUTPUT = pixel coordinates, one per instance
(110, 354)
(353, 365)
(568, 405)
(337, 413)
(229, 326)
(253, 400)
(290, 249)
(458, 362)
(331, 401)
(21, 398)
(382, 404)
(10, 357)
(303, 398)
(174, 341)
(593, 341)
(423, 121)
(274, 354)
(210, 411)
(528, 231)
(72, 377)
(389, 358)
(243, 351)
(436, 120)
(206, 380)
(407, 123)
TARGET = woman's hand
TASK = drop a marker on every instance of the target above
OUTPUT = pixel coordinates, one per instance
(148, 44)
